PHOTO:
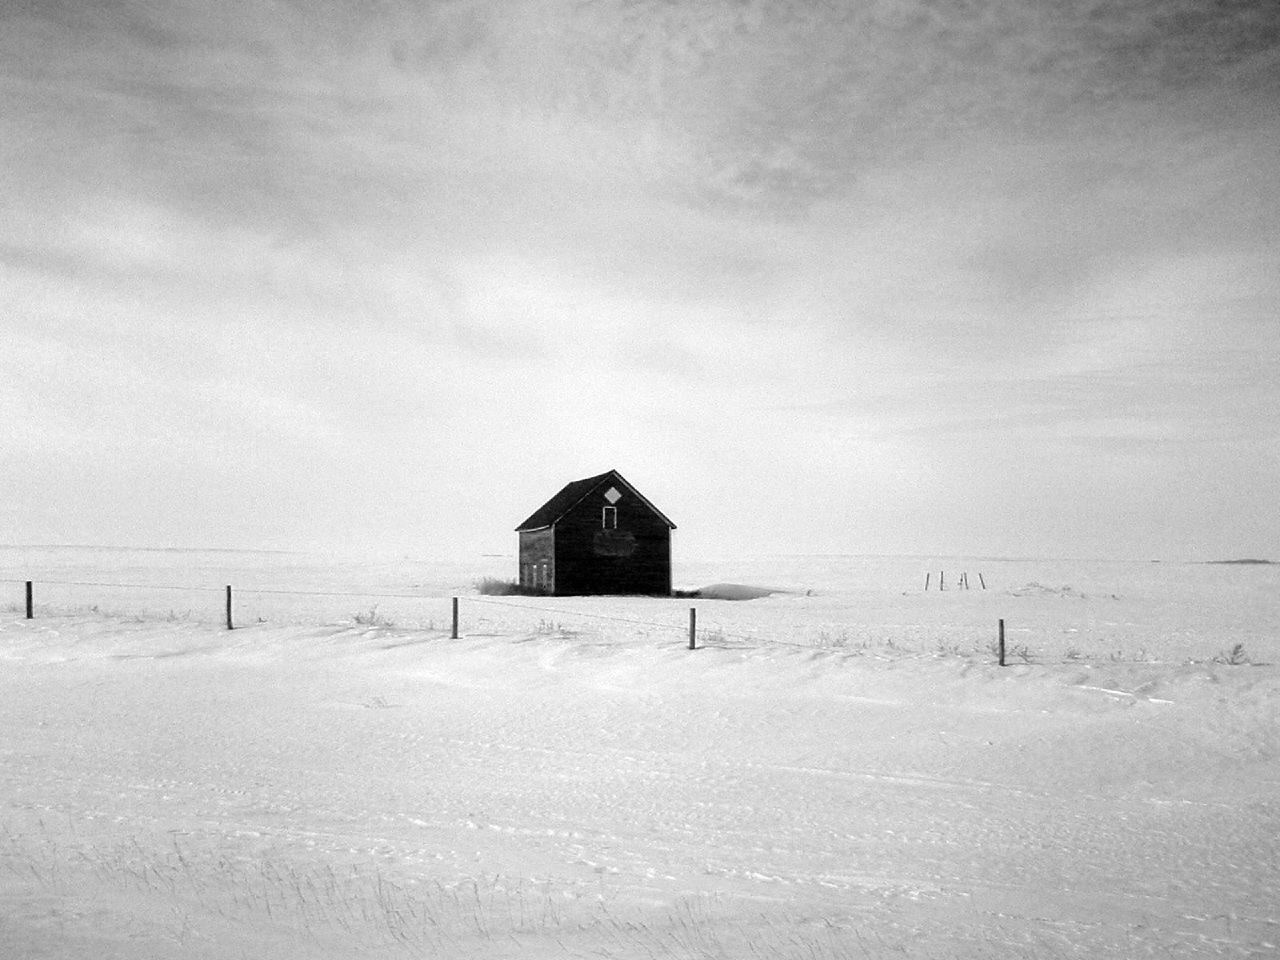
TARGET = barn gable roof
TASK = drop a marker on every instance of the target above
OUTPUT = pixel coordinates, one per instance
(573, 493)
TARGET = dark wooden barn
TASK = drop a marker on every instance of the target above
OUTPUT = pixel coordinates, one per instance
(597, 536)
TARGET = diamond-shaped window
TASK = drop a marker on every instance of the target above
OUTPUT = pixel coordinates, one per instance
(612, 495)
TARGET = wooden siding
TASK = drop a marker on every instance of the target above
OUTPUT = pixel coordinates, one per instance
(538, 559)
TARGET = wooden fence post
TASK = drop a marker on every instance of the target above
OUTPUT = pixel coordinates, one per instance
(1001, 642)
(926, 581)
(981, 581)
(230, 625)
(454, 634)
(30, 608)
(693, 628)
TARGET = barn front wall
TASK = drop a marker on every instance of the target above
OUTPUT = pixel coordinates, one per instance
(612, 545)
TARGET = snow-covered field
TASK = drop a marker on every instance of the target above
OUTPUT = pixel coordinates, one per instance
(839, 771)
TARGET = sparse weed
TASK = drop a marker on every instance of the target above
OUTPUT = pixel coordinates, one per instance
(493, 587)
(1234, 656)
(372, 618)
(837, 640)
(715, 635)
(1019, 650)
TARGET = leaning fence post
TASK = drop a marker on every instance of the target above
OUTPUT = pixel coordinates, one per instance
(454, 635)
(926, 581)
(230, 625)
(1000, 642)
(30, 609)
(693, 628)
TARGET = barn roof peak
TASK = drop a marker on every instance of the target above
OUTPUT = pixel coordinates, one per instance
(574, 492)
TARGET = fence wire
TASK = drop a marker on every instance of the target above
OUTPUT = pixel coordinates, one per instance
(238, 590)
(251, 605)
(1038, 637)
(707, 636)
(573, 613)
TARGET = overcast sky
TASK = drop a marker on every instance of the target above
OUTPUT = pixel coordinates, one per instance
(995, 278)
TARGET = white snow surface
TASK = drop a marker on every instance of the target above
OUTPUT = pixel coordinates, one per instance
(839, 770)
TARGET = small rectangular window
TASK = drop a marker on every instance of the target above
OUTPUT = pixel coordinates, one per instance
(609, 518)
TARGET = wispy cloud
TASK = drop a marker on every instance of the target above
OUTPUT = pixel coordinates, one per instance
(753, 244)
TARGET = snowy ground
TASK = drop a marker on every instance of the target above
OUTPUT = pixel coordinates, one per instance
(839, 771)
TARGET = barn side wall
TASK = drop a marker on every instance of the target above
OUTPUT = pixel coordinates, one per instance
(538, 559)
(592, 558)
